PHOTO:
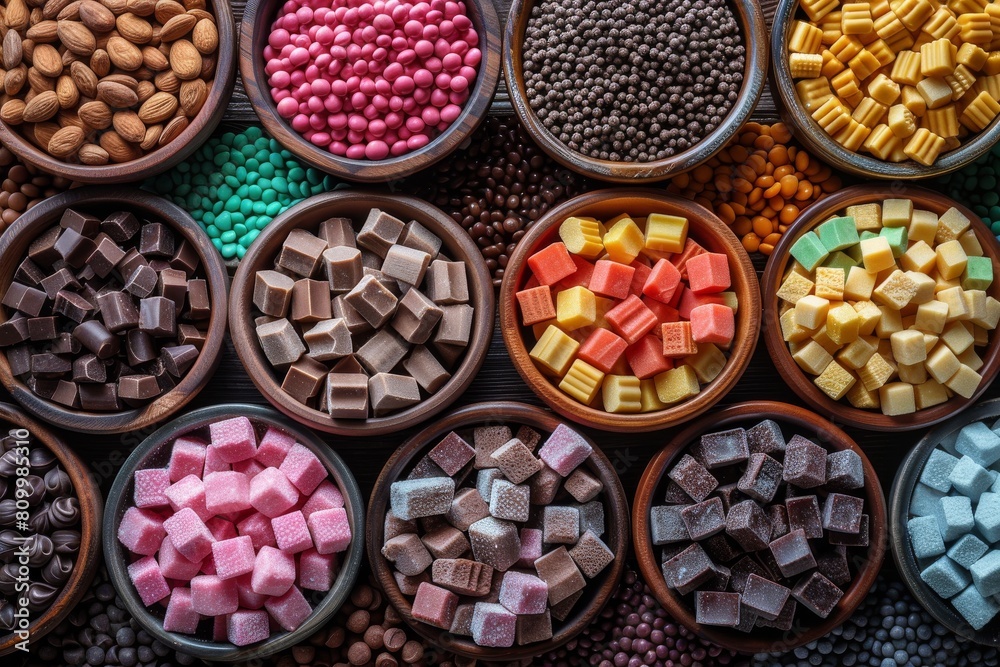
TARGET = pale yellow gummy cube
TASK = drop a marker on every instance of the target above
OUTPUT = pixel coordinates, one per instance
(649, 398)
(677, 384)
(792, 331)
(919, 257)
(971, 359)
(896, 291)
(835, 381)
(896, 212)
(830, 283)
(731, 300)
(794, 287)
(665, 232)
(856, 354)
(707, 362)
(822, 337)
(811, 310)
(957, 337)
(875, 373)
(923, 227)
(582, 236)
(555, 350)
(981, 335)
(867, 217)
(859, 284)
(624, 241)
(889, 323)
(951, 225)
(621, 393)
(991, 315)
(861, 398)
(951, 259)
(870, 316)
(843, 324)
(930, 341)
(929, 394)
(932, 316)
(964, 382)
(876, 254)
(970, 243)
(912, 373)
(908, 346)
(582, 382)
(925, 287)
(812, 358)
(575, 308)
(958, 307)
(942, 363)
(897, 398)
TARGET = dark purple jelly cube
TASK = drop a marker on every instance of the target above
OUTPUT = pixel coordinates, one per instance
(720, 581)
(704, 519)
(792, 553)
(675, 495)
(693, 478)
(721, 548)
(747, 619)
(730, 495)
(766, 560)
(761, 479)
(859, 539)
(666, 525)
(764, 597)
(842, 513)
(778, 516)
(688, 569)
(743, 568)
(803, 512)
(748, 525)
(785, 619)
(712, 608)
(833, 564)
(805, 463)
(844, 471)
(671, 550)
(723, 448)
(765, 438)
(817, 594)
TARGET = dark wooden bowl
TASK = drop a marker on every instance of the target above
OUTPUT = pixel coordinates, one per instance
(796, 378)
(651, 489)
(903, 485)
(752, 26)
(160, 160)
(598, 591)
(808, 132)
(707, 229)
(355, 204)
(154, 451)
(91, 510)
(105, 199)
(254, 30)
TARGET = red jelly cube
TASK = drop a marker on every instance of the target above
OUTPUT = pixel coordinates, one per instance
(642, 272)
(602, 349)
(677, 339)
(552, 263)
(663, 312)
(689, 301)
(646, 359)
(580, 276)
(611, 279)
(708, 273)
(631, 319)
(691, 249)
(713, 323)
(663, 281)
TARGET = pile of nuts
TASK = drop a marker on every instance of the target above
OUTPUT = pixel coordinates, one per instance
(98, 82)
(23, 186)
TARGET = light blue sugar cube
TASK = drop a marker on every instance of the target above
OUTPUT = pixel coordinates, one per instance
(979, 443)
(937, 469)
(925, 536)
(954, 517)
(969, 478)
(949, 441)
(967, 550)
(986, 573)
(975, 608)
(988, 516)
(945, 577)
(996, 485)
(925, 500)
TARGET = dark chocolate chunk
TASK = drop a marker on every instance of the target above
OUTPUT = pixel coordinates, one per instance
(58, 281)
(173, 285)
(48, 365)
(42, 328)
(73, 306)
(118, 311)
(199, 303)
(177, 359)
(185, 258)
(64, 343)
(102, 397)
(28, 300)
(67, 393)
(158, 316)
(120, 226)
(139, 347)
(81, 223)
(131, 261)
(14, 331)
(105, 257)
(42, 250)
(156, 240)
(141, 282)
(94, 336)
(189, 334)
(74, 248)
(89, 368)
(19, 359)
(138, 387)
(29, 273)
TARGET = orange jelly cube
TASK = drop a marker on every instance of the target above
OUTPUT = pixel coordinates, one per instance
(536, 305)
(645, 357)
(663, 281)
(602, 349)
(552, 263)
(708, 273)
(712, 323)
(677, 339)
(611, 279)
(580, 276)
(691, 249)
(689, 301)
(631, 319)
(642, 272)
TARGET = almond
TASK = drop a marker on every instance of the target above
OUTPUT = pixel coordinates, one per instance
(124, 54)
(96, 114)
(43, 32)
(66, 142)
(70, 12)
(177, 27)
(96, 16)
(13, 51)
(185, 60)
(68, 58)
(201, 14)
(172, 130)
(194, 4)
(116, 95)
(51, 8)
(134, 28)
(84, 78)
(92, 154)
(76, 37)
(42, 107)
(100, 62)
(13, 80)
(128, 125)
(152, 137)
(69, 119)
(192, 96)
(158, 108)
(12, 112)
(41, 133)
(167, 82)
(167, 9)
(118, 149)
(38, 82)
(116, 6)
(140, 7)
(154, 59)
(124, 79)
(205, 36)
(47, 60)
(17, 14)
(144, 91)
(67, 92)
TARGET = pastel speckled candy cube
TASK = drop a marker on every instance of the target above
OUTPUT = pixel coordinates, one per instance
(271, 493)
(533, 628)
(148, 580)
(330, 530)
(434, 605)
(234, 439)
(761, 478)
(316, 570)
(583, 486)
(564, 450)
(493, 625)
(591, 554)
(666, 525)
(189, 534)
(591, 516)
(495, 543)
(560, 525)
(523, 593)
(925, 537)
(173, 564)
(844, 470)
(945, 577)
(467, 507)
(213, 596)
(805, 463)
(273, 447)
(180, 617)
(937, 470)
(415, 498)
(214, 461)
(408, 553)
(693, 478)
(925, 500)
(290, 610)
(452, 453)
(446, 542)
(986, 573)
(303, 468)
(149, 487)
(187, 457)
(515, 461)
(531, 547)
(967, 550)
(763, 597)
(765, 438)
(273, 572)
(975, 608)
(291, 532)
(233, 557)
(141, 531)
(560, 572)
(987, 516)
(258, 527)
(326, 496)
(979, 443)
(227, 491)
(188, 492)
(247, 626)
(511, 502)
(244, 590)
(969, 478)
(221, 529)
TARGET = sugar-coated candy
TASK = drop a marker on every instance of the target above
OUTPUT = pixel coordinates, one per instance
(303, 468)
(717, 608)
(291, 532)
(590, 554)
(234, 439)
(723, 448)
(408, 553)
(273, 572)
(150, 484)
(967, 550)
(271, 493)
(434, 605)
(765, 438)
(792, 553)
(411, 499)
(805, 463)
(452, 453)
(945, 577)
(330, 530)
(564, 450)
(986, 573)
(290, 610)
(748, 525)
(227, 491)
(844, 470)
(493, 625)
(688, 569)
(189, 534)
(247, 626)
(842, 513)
(705, 519)
(763, 597)
(666, 524)
(180, 616)
(693, 478)
(817, 594)
(148, 580)
(761, 478)
(213, 596)
(803, 513)
(233, 557)
(925, 537)
(511, 502)
(495, 543)
(558, 570)
(522, 593)
(141, 531)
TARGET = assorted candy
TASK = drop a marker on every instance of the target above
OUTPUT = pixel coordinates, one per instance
(886, 304)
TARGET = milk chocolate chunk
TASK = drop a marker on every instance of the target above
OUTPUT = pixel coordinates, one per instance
(300, 253)
(382, 352)
(139, 347)
(416, 317)
(406, 265)
(304, 379)
(447, 283)
(14, 331)
(158, 316)
(380, 232)
(448, 354)
(177, 359)
(272, 293)
(29, 273)
(42, 328)
(42, 250)
(328, 339)
(343, 268)
(66, 393)
(456, 325)
(280, 342)
(373, 300)
(131, 261)
(74, 248)
(105, 257)
(58, 281)
(349, 365)
(101, 397)
(156, 240)
(337, 232)
(189, 334)
(173, 285)
(72, 305)
(48, 365)
(118, 311)
(310, 301)
(424, 367)
(121, 226)
(347, 395)
(356, 323)
(185, 258)
(389, 392)
(28, 300)
(141, 282)
(81, 223)
(199, 303)
(89, 368)
(138, 387)
(418, 237)
(94, 336)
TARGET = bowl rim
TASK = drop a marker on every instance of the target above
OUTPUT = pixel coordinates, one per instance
(480, 291)
(777, 348)
(750, 17)
(789, 415)
(904, 483)
(350, 563)
(482, 12)
(162, 159)
(494, 413)
(821, 145)
(45, 215)
(91, 503)
(700, 218)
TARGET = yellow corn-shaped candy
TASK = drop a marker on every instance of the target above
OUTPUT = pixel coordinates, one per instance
(868, 38)
(906, 68)
(852, 135)
(937, 58)
(989, 85)
(966, 6)
(864, 64)
(951, 143)
(960, 80)
(622, 393)
(941, 25)
(924, 147)
(882, 142)
(887, 25)
(914, 101)
(869, 112)
(817, 9)
(980, 112)
(935, 91)
(884, 90)
(813, 93)
(879, 8)
(830, 25)
(912, 12)
(942, 122)
(901, 121)
(993, 11)
(805, 38)
(582, 237)
(846, 84)
(972, 56)
(582, 381)
(846, 47)
(831, 116)
(805, 65)
(901, 41)
(992, 65)
(831, 66)
(975, 28)
(856, 18)
(882, 52)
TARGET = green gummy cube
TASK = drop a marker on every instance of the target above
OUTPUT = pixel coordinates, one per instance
(840, 260)
(854, 252)
(868, 235)
(809, 251)
(897, 239)
(838, 233)
(978, 273)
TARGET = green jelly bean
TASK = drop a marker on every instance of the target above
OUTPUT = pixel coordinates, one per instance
(266, 169)
(246, 207)
(253, 177)
(279, 184)
(217, 243)
(259, 207)
(228, 250)
(249, 238)
(243, 190)
(228, 237)
(213, 231)
(269, 196)
(224, 221)
(232, 181)
(273, 209)
(240, 229)
(233, 204)
(241, 251)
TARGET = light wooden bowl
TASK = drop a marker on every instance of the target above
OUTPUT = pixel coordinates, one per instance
(598, 591)
(796, 378)
(705, 228)
(105, 199)
(254, 30)
(650, 493)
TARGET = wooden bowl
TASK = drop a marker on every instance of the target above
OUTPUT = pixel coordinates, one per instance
(754, 31)
(91, 509)
(355, 204)
(903, 485)
(162, 159)
(706, 229)
(105, 199)
(796, 378)
(153, 452)
(254, 31)
(808, 132)
(598, 591)
(651, 489)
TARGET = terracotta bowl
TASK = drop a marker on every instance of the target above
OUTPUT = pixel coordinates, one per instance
(652, 486)
(91, 510)
(254, 31)
(355, 204)
(160, 160)
(796, 378)
(599, 590)
(822, 145)
(751, 20)
(105, 199)
(706, 229)
(153, 452)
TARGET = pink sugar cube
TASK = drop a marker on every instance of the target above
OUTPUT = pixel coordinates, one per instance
(227, 491)
(452, 453)
(272, 494)
(523, 593)
(214, 461)
(149, 582)
(180, 617)
(258, 527)
(434, 605)
(330, 530)
(273, 573)
(187, 457)
(316, 570)
(141, 531)
(291, 532)
(189, 534)
(326, 496)
(208, 565)
(531, 547)
(220, 628)
(493, 625)
(220, 528)
(303, 468)
(564, 450)
(274, 447)
(246, 627)
(188, 492)
(234, 439)
(149, 487)
(213, 596)
(244, 589)
(249, 467)
(713, 323)
(173, 564)
(289, 610)
(233, 557)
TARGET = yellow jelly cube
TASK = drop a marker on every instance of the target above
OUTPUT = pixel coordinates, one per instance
(867, 217)
(861, 398)
(964, 382)
(555, 350)
(951, 225)
(859, 284)
(794, 288)
(896, 212)
(925, 287)
(649, 399)
(875, 373)
(856, 18)
(870, 316)
(942, 363)
(980, 112)
(664, 232)
(991, 315)
(971, 359)
(906, 68)
(812, 358)
(908, 346)
(876, 254)
(951, 259)
(835, 381)
(804, 38)
(932, 317)
(923, 227)
(677, 384)
(582, 237)
(623, 241)
(856, 354)
(957, 337)
(958, 307)
(830, 283)
(929, 394)
(792, 331)
(940, 284)
(823, 338)
(919, 257)
(970, 243)
(707, 363)
(810, 311)
(912, 373)
(621, 393)
(896, 291)
(575, 308)
(582, 382)
(843, 324)
(889, 323)
(897, 398)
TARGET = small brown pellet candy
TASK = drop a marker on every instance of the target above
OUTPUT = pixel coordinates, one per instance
(358, 621)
